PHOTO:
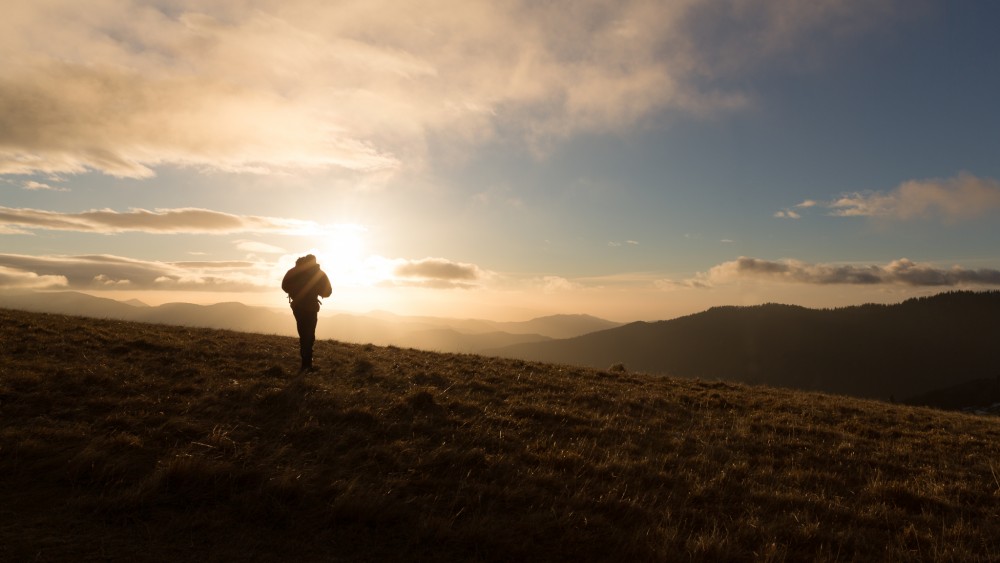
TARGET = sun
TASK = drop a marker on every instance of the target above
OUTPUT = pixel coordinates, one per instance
(342, 252)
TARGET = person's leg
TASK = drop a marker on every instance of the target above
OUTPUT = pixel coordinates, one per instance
(305, 322)
(310, 339)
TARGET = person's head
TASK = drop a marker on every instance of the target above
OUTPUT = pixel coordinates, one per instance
(306, 260)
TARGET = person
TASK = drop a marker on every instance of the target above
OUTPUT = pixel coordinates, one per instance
(305, 284)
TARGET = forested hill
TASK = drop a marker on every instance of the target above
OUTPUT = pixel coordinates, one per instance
(877, 351)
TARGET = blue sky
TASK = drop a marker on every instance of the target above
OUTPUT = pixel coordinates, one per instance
(631, 160)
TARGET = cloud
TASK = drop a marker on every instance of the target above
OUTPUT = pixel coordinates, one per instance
(124, 87)
(556, 284)
(436, 273)
(35, 186)
(615, 244)
(902, 271)
(11, 278)
(667, 284)
(11, 230)
(163, 221)
(953, 199)
(962, 197)
(100, 271)
(259, 247)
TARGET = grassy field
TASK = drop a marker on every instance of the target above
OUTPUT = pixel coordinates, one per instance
(131, 442)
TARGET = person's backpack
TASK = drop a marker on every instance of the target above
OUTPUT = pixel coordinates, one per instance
(305, 284)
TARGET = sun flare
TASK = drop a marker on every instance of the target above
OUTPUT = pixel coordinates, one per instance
(342, 252)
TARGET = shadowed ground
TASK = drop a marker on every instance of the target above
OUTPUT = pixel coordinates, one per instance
(132, 442)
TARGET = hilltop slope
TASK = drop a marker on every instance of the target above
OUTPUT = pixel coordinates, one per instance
(130, 442)
(875, 351)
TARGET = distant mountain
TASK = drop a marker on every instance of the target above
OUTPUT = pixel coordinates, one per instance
(68, 302)
(554, 326)
(559, 326)
(875, 351)
(453, 335)
(427, 333)
(232, 316)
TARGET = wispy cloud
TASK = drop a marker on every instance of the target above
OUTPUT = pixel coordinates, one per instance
(953, 199)
(962, 197)
(902, 271)
(259, 247)
(32, 185)
(96, 272)
(164, 221)
(558, 284)
(436, 273)
(124, 87)
(616, 244)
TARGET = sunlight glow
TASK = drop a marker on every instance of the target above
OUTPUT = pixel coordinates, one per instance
(341, 252)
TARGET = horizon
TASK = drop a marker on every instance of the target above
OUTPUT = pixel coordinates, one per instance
(632, 161)
(329, 312)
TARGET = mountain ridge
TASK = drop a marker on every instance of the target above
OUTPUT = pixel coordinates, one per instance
(379, 327)
(870, 350)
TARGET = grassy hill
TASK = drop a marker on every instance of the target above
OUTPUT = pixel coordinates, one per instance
(130, 442)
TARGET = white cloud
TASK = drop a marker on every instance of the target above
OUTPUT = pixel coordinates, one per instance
(557, 284)
(111, 283)
(123, 87)
(12, 278)
(902, 271)
(962, 197)
(115, 272)
(165, 221)
(259, 247)
(787, 214)
(952, 199)
(35, 186)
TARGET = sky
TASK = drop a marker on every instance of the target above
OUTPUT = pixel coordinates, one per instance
(633, 160)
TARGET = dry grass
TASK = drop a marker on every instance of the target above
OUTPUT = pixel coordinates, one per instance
(131, 442)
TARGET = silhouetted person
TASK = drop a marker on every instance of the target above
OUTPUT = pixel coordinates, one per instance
(305, 284)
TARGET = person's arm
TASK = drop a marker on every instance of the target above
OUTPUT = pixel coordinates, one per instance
(325, 289)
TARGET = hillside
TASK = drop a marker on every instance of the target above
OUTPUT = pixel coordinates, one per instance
(874, 351)
(133, 442)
